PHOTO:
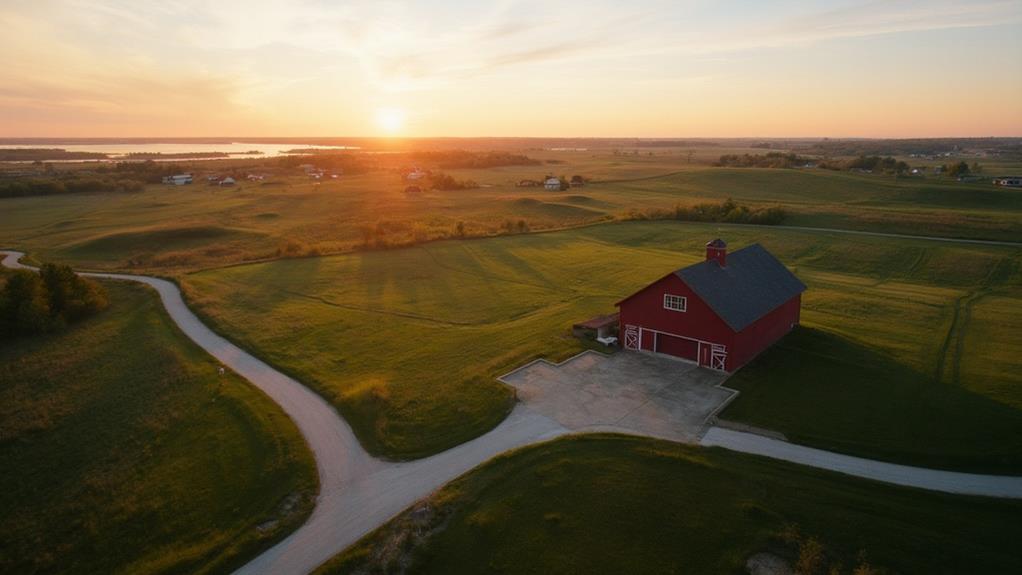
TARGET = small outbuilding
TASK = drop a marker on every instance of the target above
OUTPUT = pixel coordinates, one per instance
(178, 180)
(552, 184)
(719, 313)
(228, 181)
(602, 328)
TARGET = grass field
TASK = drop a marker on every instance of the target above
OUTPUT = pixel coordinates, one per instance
(124, 452)
(408, 343)
(610, 504)
(172, 229)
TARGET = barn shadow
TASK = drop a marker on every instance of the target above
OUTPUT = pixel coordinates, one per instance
(828, 391)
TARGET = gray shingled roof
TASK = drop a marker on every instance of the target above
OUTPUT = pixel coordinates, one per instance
(753, 284)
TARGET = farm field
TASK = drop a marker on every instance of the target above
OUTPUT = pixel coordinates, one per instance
(614, 504)
(170, 229)
(898, 334)
(124, 452)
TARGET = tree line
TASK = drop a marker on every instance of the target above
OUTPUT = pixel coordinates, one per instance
(460, 159)
(68, 185)
(727, 211)
(47, 301)
(768, 160)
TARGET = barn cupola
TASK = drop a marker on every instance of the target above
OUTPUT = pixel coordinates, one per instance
(717, 251)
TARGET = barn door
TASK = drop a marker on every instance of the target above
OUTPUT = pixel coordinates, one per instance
(631, 337)
(718, 357)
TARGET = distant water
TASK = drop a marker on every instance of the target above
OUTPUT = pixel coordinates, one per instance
(235, 149)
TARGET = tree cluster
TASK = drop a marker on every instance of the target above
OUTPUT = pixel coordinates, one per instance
(768, 160)
(147, 171)
(959, 169)
(731, 212)
(47, 301)
(442, 181)
(876, 163)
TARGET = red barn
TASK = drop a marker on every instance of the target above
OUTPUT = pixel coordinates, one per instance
(721, 312)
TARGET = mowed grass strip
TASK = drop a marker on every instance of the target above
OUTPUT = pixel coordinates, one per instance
(408, 343)
(613, 504)
(124, 452)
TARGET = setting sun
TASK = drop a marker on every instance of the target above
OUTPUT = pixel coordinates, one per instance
(390, 120)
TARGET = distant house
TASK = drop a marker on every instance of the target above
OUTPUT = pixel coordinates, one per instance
(178, 180)
(529, 183)
(577, 181)
(413, 190)
(255, 177)
(719, 313)
(552, 184)
(415, 174)
(228, 181)
(1009, 181)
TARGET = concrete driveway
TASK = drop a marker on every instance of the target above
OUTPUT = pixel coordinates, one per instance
(627, 391)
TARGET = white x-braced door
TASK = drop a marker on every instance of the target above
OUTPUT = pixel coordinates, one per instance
(631, 337)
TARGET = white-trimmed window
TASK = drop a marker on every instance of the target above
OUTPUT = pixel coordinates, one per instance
(675, 302)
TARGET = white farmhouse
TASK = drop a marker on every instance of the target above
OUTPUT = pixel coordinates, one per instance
(552, 184)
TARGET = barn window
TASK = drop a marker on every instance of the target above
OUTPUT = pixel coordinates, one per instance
(675, 302)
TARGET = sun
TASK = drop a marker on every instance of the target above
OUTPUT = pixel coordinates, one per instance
(390, 120)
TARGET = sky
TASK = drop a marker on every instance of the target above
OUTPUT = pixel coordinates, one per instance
(565, 68)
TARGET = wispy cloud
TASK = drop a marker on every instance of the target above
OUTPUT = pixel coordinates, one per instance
(237, 64)
(856, 20)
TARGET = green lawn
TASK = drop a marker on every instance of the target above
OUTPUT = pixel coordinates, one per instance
(124, 452)
(408, 343)
(611, 504)
(171, 229)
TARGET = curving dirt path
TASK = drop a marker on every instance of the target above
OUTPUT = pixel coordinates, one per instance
(359, 492)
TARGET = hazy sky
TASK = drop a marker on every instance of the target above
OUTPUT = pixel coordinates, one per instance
(512, 67)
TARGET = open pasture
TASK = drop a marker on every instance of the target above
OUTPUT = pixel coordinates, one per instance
(170, 229)
(891, 329)
(124, 452)
(612, 504)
